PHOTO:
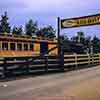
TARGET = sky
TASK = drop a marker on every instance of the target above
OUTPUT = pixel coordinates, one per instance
(47, 11)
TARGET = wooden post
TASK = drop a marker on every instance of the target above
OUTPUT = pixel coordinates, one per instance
(60, 50)
(28, 46)
(99, 57)
(46, 63)
(92, 59)
(1, 45)
(16, 46)
(62, 60)
(27, 66)
(76, 60)
(22, 46)
(59, 44)
(89, 59)
(5, 68)
(8, 45)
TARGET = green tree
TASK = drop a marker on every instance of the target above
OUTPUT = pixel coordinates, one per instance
(47, 32)
(4, 24)
(66, 44)
(17, 30)
(96, 44)
(31, 28)
(87, 42)
(80, 38)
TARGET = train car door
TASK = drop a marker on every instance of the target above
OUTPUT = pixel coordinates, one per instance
(43, 47)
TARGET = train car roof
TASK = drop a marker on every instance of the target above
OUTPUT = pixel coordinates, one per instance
(24, 38)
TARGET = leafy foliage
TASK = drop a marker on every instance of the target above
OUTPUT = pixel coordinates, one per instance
(65, 43)
(4, 24)
(80, 38)
(17, 30)
(96, 44)
(31, 27)
(47, 32)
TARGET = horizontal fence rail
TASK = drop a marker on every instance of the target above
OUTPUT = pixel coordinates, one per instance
(24, 65)
(78, 59)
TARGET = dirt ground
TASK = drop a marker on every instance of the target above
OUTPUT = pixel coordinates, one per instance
(76, 85)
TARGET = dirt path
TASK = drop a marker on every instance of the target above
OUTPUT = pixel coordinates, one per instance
(76, 85)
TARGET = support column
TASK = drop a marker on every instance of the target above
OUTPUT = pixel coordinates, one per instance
(1, 45)
(28, 46)
(22, 46)
(60, 49)
(16, 46)
(59, 45)
(8, 45)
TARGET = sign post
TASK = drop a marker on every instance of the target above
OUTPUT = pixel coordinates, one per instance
(58, 35)
(60, 50)
(72, 23)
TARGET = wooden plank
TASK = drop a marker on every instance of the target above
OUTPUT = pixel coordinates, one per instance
(96, 58)
(69, 55)
(1, 62)
(53, 59)
(40, 65)
(69, 59)
(1, 58)
(82, 62)
(82, 55)
(68, 64)
(53, 65)
(1, 68)
(96, 61)
(82, 58)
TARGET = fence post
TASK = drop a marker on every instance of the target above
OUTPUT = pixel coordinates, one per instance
(5, 68)
(76, 60)
(46, 63)
(62, 60)
(27, 66)
(92, 59)
(99, 57)
(88, 59)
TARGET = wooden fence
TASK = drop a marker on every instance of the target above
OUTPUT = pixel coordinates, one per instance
(23, 65)
(82, 59)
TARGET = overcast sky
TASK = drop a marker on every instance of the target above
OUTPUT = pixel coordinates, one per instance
(47, 11)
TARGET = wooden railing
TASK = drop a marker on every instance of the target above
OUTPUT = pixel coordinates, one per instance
(7, 35)
(20, 65)
(81, 59)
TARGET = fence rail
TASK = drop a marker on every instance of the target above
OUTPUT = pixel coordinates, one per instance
(78, 59)
(20, 65)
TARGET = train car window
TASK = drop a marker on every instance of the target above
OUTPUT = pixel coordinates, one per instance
(4, 46)
(19, 46)
(12, 46)
(31, 47)
(25, 46)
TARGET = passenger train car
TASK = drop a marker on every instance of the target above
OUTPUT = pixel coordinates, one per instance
(14, 45)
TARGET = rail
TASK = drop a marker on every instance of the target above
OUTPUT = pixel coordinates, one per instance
(24, 65)
(81, 59)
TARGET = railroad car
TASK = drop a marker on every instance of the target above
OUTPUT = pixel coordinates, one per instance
(15, 45)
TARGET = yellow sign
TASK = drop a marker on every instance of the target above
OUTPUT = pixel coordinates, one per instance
(80, 21)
